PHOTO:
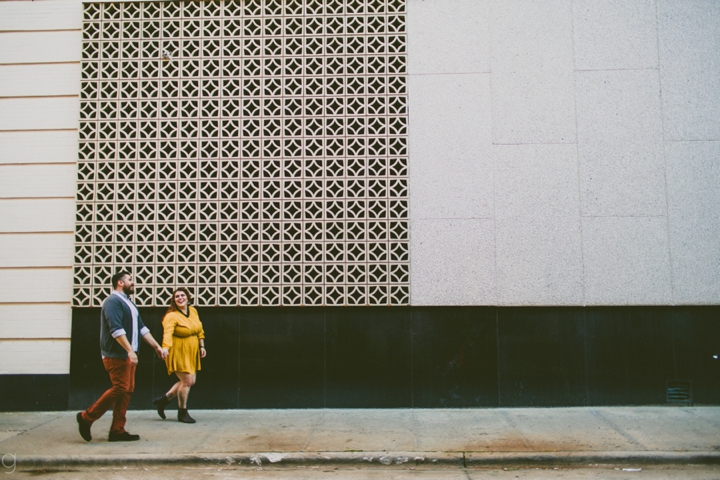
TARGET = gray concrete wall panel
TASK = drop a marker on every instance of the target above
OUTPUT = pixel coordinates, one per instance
(539, 261)
(689, 32)
(450, 145)
(439, 278)
(593, 196)
(620, 143)
(536, 181)
(626, 261)
(615, 34)
(449, 36)
(538, 242)
(693, 172)
(532, 71)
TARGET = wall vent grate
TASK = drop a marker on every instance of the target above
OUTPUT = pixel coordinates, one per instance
(679, 391)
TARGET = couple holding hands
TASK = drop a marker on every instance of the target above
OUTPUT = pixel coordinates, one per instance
(121, 327)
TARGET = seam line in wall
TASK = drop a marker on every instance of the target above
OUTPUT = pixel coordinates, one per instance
(493, 169)
(664, 160)
(534, 143)
(22, 304)
(454, 218)
(577, 163)
(409, 219)
(38, 164)
(40, 130)
(32, 64)
(79, 30)
(39, 267)
(624, 216)
(449, 73)
(615, 69)
(38, 198)
(35, 339)
(27, 97)
(47, 232)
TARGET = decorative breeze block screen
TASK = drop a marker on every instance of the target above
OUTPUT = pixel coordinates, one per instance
(254, 151)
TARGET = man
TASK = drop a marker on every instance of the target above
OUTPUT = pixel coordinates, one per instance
(120, 329)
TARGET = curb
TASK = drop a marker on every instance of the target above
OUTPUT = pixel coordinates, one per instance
(276, 459)
(592, 458)
(377, 459)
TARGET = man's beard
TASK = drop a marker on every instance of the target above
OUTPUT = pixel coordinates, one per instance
(128, 289)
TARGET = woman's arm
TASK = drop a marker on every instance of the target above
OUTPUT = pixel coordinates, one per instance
(168, 323)
(201, 335)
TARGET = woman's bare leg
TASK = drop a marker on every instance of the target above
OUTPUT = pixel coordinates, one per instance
(187, 380)
(173, 390)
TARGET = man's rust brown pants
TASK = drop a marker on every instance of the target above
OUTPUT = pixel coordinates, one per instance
(122, 376)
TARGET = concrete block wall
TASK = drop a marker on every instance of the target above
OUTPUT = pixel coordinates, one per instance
(564, 152)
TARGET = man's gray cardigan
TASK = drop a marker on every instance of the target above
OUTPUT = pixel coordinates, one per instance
(116, 315)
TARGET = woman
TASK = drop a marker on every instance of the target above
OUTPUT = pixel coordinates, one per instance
(184, 346)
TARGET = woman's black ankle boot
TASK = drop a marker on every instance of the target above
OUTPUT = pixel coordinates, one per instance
(184, 416)
(160, 403)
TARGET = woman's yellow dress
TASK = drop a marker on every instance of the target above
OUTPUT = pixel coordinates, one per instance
(181, 336)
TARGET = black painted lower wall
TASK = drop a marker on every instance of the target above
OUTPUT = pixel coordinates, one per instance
(25, 393)
(422, 357)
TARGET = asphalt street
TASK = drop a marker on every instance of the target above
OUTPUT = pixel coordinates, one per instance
(318, 473)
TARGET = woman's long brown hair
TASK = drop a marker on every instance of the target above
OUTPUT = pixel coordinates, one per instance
(173, 306)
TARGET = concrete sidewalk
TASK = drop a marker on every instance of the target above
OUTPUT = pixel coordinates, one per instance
(468, 437)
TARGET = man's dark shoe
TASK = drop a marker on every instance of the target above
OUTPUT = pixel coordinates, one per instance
(122, 437)
(160, 403)
(83, 427)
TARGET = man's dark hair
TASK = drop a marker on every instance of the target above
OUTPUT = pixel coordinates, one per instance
(119, 276)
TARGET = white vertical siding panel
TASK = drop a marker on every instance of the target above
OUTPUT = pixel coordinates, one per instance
(39, 57)
(34, 357)
(52, 320)
(37, 215)
(35, 285)
(37, 181)
(40, 47)
(40, 15)
(38, 147)
(39, 113)
(39, 80)
(36, 250)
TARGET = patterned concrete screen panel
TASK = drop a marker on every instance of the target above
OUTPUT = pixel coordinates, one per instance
(255, 151)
